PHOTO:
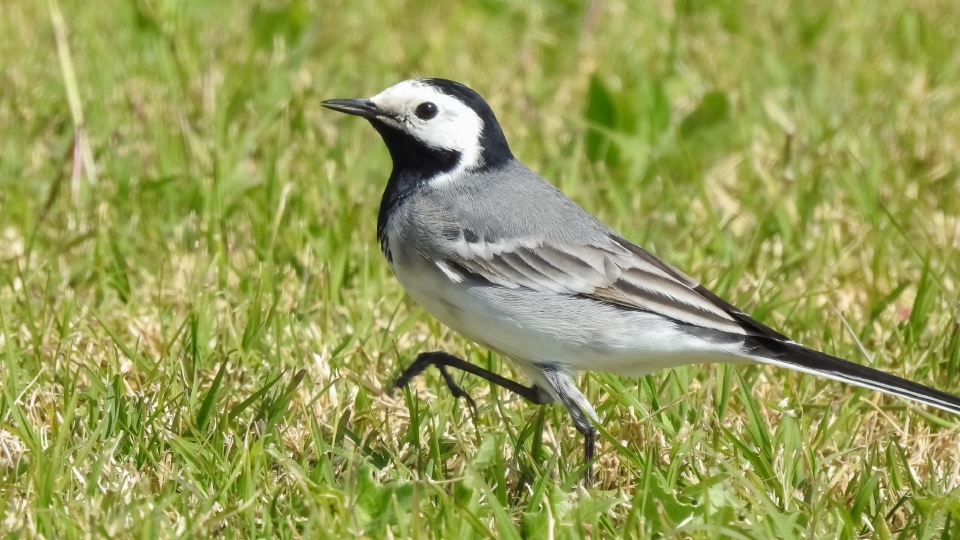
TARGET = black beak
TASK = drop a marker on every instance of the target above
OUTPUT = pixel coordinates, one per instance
(363, 108)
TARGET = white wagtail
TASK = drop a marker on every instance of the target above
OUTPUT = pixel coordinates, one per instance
(502, 256)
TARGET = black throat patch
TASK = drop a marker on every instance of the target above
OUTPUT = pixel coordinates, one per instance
(414, 164)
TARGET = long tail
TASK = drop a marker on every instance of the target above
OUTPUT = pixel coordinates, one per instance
(795, 356)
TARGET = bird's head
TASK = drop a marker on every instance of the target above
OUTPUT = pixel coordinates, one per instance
(432, 127)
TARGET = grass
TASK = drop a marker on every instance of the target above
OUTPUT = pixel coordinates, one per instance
(198, 332)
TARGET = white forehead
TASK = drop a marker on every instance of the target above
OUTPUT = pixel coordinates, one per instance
(407, 95)
(455, 127)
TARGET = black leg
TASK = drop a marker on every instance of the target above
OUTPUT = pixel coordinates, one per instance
(457, 391)
(589, 442)
(583, 424)
(576, 402)
(533, 394)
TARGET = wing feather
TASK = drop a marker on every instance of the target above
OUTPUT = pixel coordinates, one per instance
(616, 272)
(562, 280)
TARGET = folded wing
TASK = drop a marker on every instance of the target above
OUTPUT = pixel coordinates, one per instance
(616, 272)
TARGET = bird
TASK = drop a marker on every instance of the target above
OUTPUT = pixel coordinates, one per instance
(500, 255)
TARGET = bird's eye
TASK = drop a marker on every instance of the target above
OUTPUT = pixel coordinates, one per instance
(426, 110)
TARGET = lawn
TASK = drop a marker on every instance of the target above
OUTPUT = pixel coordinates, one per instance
(198, 333)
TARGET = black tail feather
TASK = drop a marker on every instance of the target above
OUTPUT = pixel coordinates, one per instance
(795, 356)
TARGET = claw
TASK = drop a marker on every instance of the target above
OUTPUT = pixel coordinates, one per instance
(457, 391)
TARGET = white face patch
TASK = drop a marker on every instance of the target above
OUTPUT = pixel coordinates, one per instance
(455, 127)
